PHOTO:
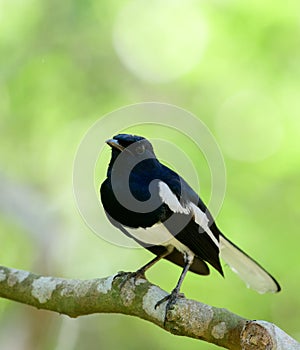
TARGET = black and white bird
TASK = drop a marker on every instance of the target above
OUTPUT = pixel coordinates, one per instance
(156, 207)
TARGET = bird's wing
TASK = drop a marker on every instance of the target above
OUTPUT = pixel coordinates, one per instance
(196, 232)
(199, 242)
(203, 237)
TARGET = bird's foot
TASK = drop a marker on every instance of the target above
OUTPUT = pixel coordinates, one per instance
(127, 276)
(171, 301)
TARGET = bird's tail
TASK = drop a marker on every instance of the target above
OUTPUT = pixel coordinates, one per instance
(246, 268)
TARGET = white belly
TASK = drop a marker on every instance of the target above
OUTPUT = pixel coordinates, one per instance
(158, 234)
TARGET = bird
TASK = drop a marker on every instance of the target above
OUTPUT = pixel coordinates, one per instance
(156, 207)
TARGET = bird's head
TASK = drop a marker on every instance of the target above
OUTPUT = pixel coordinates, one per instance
(133, 145)
(132, 148)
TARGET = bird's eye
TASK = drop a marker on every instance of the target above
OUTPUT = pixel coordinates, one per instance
(140, 149)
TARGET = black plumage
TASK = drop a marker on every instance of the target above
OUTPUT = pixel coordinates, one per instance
(134, 176)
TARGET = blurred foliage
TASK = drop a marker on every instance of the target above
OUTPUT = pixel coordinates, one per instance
(60, 72)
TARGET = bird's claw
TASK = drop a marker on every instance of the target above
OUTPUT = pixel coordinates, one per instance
(127, 276)
(171, 301)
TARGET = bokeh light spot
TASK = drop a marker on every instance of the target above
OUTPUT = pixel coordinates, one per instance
(160, 40)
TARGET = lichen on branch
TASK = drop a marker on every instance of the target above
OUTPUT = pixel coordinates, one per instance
(138, 297)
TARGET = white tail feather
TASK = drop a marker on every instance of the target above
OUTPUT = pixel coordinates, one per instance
(247, 269)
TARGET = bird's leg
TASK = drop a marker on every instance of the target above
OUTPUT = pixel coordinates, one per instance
(140, 273)
(171, 298)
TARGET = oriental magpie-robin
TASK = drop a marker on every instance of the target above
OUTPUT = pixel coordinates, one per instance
(153, 205)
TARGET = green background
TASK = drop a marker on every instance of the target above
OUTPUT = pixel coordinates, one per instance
(61, 70)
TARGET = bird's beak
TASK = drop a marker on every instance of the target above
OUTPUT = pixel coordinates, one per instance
(114, 143)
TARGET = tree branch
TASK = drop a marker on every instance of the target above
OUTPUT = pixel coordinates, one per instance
(138, 298)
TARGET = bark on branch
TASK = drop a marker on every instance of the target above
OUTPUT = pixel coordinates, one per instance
(138, 298)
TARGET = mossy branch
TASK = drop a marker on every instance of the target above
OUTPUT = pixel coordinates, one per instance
(138, 298)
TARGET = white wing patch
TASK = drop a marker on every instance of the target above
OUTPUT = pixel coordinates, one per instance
(169, 198)
(202, 220)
